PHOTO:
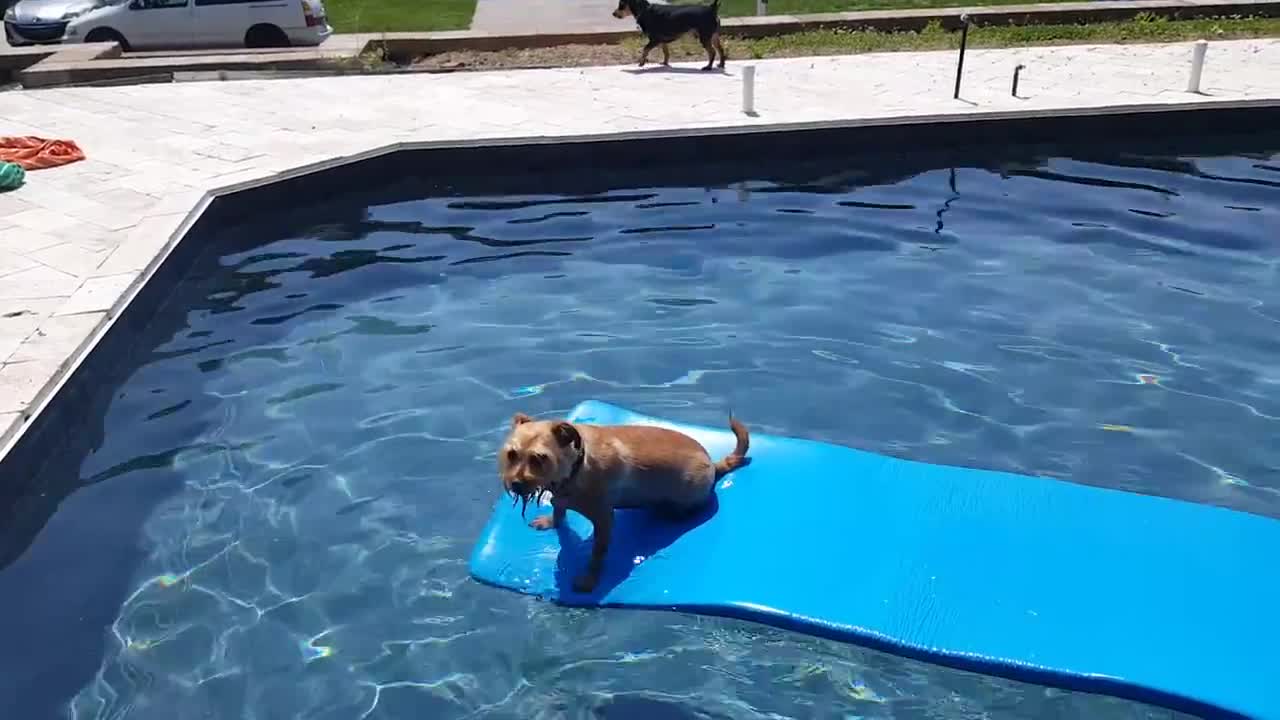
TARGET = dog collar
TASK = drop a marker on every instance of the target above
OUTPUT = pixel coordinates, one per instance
(573, 472)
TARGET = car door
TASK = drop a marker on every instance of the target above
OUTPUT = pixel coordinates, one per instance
(158, 23)
(221, 23)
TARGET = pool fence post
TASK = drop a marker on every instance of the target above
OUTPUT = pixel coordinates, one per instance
(749, 89)
(762, 7)
(1017, 70)
(964, 39)
(1197, 65)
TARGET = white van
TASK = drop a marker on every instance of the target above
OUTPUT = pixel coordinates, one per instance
(169, 24)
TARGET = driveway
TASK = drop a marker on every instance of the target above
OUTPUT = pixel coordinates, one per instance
(546, 16)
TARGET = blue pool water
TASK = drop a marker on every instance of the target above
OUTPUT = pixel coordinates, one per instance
(273, 518)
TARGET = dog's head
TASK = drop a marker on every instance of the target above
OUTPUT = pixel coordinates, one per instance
(627, 7)
(537, 454)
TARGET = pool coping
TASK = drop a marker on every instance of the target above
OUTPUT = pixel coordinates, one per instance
(19, 442)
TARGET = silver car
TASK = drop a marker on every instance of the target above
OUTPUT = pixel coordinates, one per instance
(168, 24)
(30, 22)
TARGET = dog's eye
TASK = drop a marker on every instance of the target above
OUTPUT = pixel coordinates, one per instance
(512, 455)
(537, 461)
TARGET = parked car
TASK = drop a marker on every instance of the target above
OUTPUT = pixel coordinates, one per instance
(168, 24)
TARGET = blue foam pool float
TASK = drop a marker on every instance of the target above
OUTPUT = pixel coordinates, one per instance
(1156, 600)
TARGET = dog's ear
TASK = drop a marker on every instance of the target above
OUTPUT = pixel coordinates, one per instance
(520, 419)
(567, 435)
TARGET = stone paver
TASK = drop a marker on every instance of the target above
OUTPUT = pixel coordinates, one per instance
(19, 323)
(75, 240)
(37, 282)
(55, 342)
(19, 384)
(97, 294)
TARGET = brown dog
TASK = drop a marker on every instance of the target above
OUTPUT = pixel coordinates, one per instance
(592, 469)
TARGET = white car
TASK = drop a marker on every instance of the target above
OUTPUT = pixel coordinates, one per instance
(168, 24)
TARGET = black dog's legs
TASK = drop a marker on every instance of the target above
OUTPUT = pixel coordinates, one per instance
(707, 40)
(666, 55)
(644, 56)
(720, 47)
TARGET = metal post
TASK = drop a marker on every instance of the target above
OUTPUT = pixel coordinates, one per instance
(1197, 65)
(749, 89)
(964, 39)
(1017, 70)
(762, 7)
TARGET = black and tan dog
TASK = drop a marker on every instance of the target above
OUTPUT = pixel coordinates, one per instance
(592, 469)
(663, 24)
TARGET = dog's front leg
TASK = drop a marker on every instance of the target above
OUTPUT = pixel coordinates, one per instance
(555, 519)
(644, 56)
(666, 55)
(601, 518)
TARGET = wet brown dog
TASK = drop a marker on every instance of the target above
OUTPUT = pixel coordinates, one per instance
(592, 469)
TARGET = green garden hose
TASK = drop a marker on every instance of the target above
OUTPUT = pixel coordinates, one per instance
(11, 176)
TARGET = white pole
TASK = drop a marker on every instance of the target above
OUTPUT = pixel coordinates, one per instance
(749, 89)
(1197, 65)
(762, 7)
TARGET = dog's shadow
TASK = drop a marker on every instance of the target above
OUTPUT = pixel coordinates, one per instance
(637, 536)
(680, 70)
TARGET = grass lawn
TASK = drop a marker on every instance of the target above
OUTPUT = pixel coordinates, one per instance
(349, 16)
(1141, 30)
(800, 7)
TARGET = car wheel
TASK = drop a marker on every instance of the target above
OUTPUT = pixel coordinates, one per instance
(97, 35)
(265, 36)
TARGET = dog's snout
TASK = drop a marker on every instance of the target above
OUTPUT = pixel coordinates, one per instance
(519, 487)
(617, 14)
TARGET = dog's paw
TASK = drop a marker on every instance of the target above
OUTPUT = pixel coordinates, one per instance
(543, 522)
(585, 583)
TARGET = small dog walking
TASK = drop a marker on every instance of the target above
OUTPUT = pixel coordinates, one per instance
(663, 24)
(592, 469)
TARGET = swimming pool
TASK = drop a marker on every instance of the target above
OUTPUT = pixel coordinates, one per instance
(272, 516)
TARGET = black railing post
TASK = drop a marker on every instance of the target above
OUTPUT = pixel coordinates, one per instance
(1016, 70)
(964, 40)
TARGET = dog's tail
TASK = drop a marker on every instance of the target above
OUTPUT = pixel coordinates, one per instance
(738, 457)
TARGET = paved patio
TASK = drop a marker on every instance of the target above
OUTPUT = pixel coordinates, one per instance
(75, 240)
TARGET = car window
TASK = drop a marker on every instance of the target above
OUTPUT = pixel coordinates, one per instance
(159, 4)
